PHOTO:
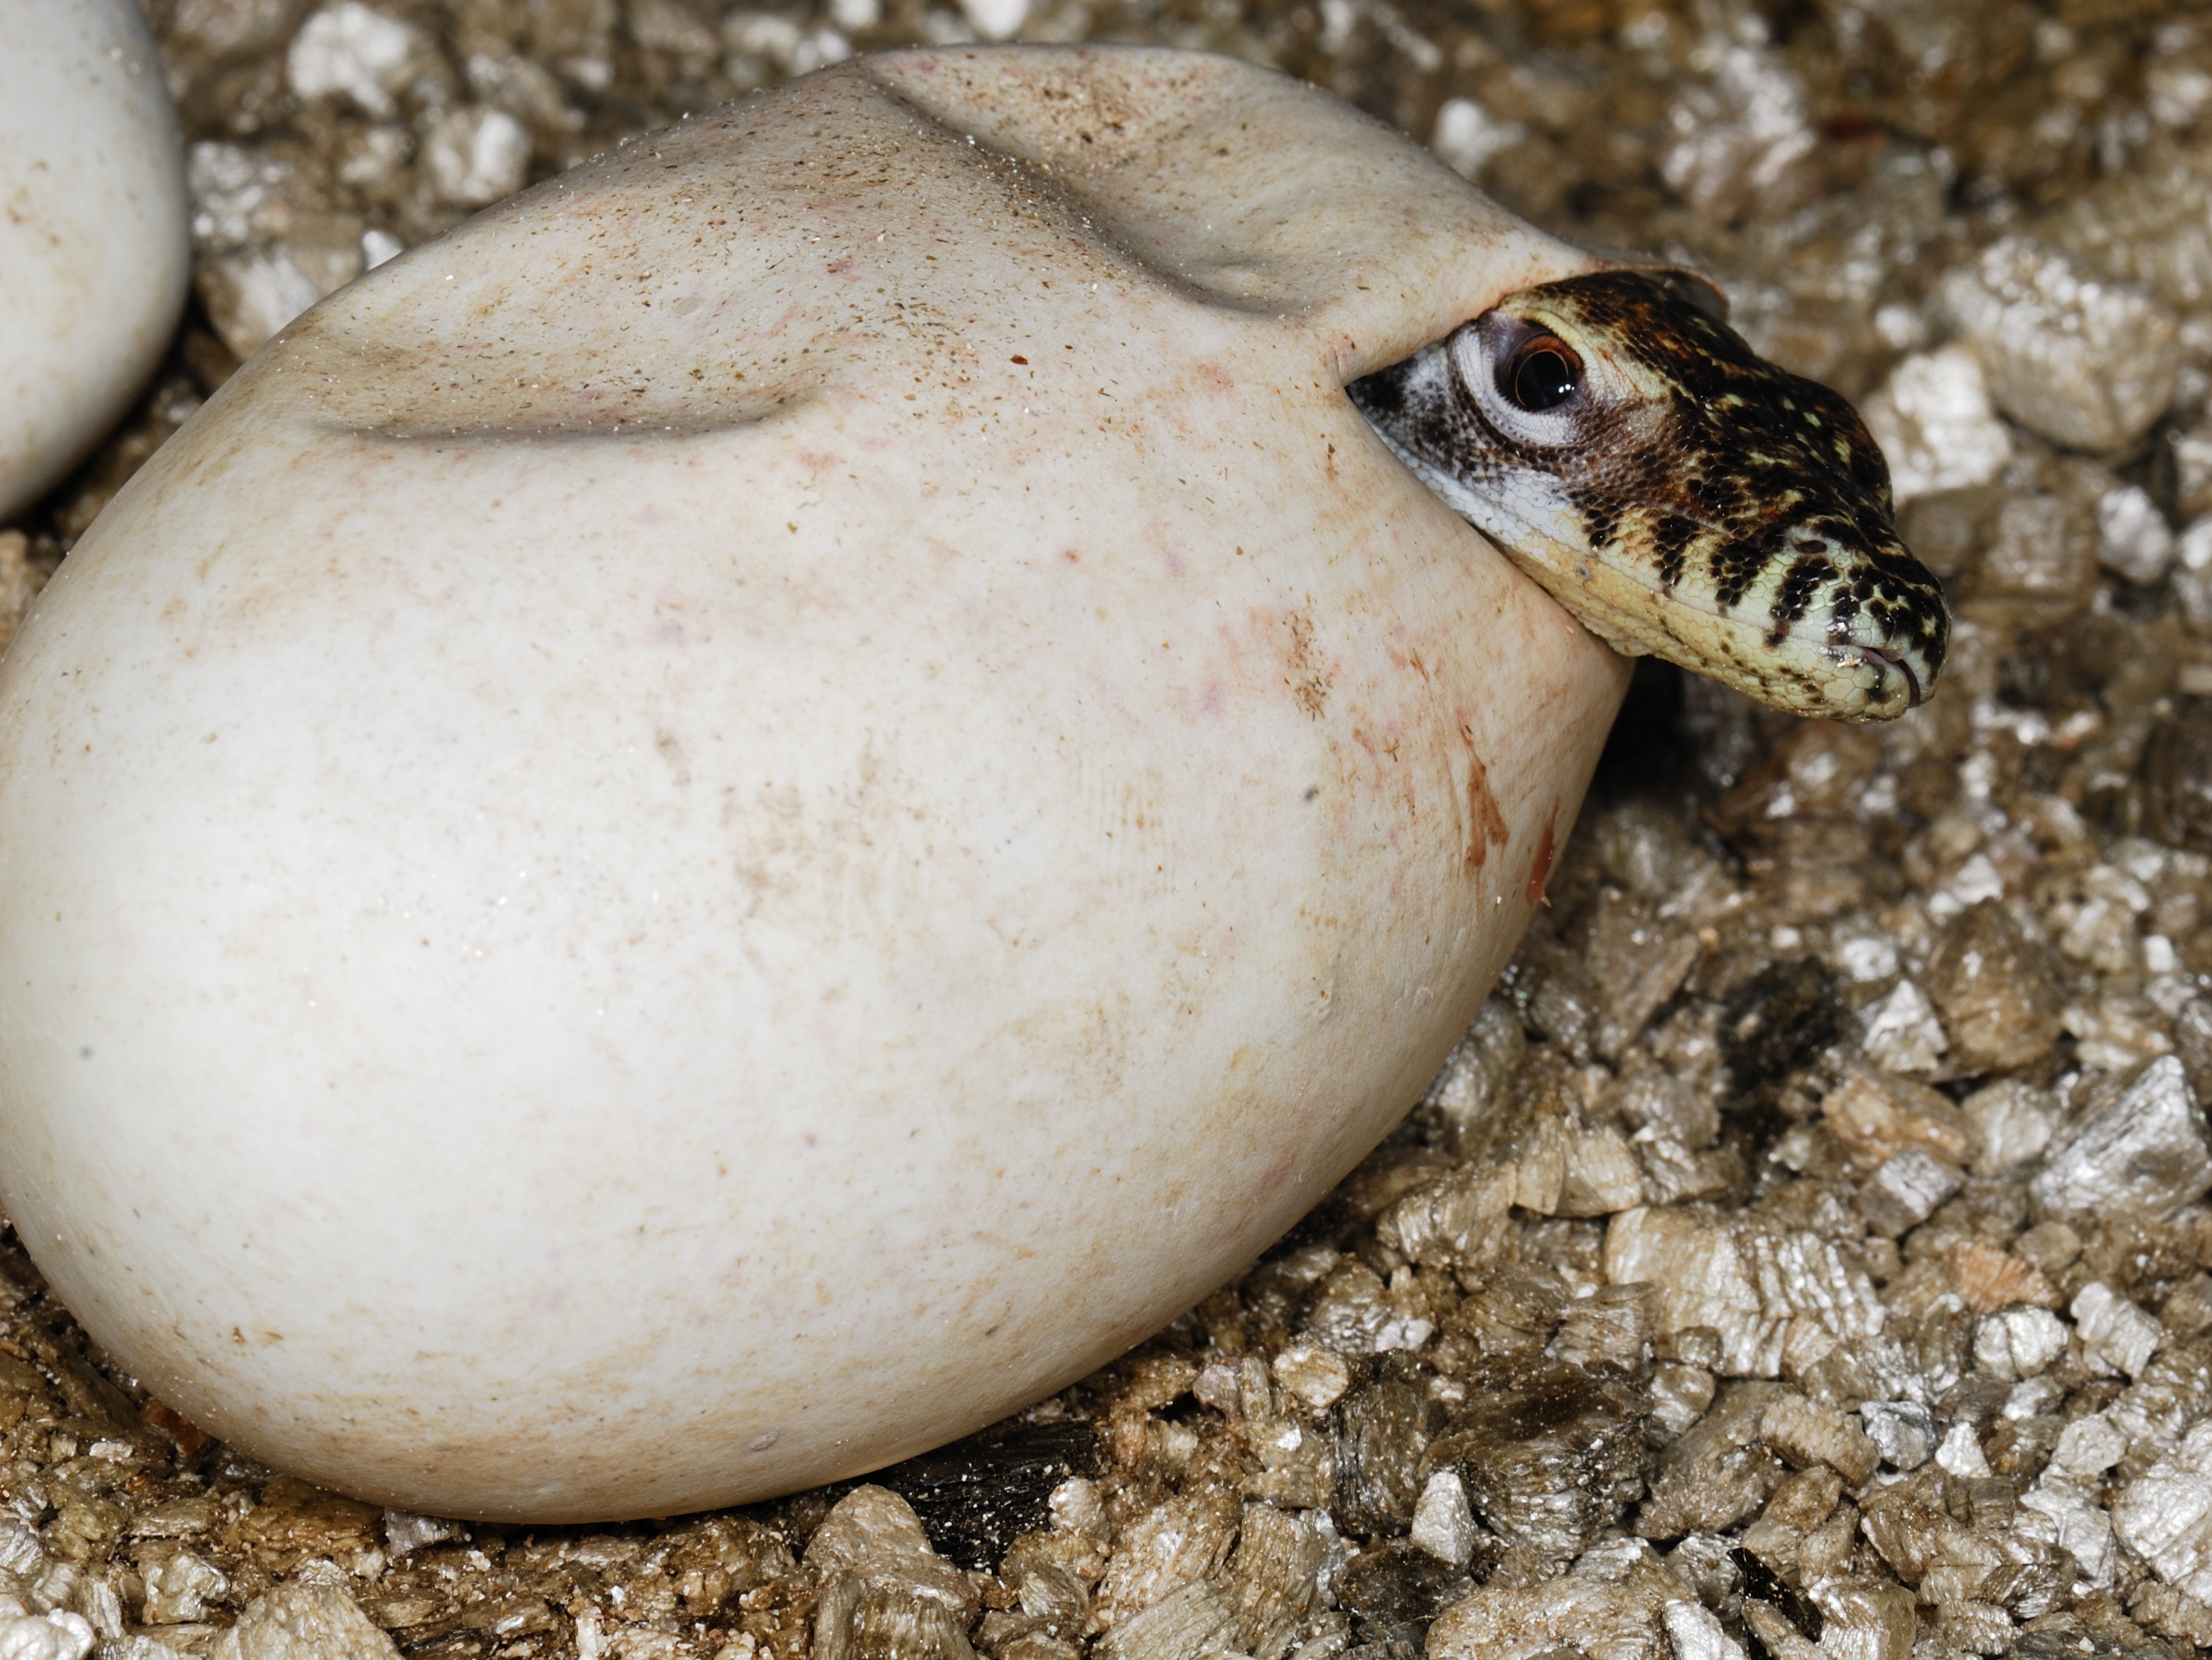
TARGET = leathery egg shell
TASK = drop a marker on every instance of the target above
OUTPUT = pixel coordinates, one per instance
(765, 804)
(95, 242)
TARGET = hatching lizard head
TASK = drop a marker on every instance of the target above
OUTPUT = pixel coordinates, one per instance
(1678, 493)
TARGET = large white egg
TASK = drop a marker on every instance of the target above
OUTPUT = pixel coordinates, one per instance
(761, 806)
(95, 249)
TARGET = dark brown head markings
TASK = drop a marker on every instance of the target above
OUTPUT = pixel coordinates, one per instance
(1676, 491)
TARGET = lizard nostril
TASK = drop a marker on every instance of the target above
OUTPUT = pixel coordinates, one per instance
(1897, 660)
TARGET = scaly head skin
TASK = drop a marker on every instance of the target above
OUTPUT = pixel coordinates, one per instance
(1678, 493)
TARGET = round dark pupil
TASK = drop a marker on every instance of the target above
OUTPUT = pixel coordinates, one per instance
(1543, 379)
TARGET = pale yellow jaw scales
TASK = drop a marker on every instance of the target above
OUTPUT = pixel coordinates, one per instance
(1630, 615)
(644, 870)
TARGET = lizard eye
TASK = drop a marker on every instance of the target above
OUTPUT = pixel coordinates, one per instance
(1530, 385)
(1541, 376)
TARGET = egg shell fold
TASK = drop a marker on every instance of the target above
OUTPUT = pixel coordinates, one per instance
(763, 804)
